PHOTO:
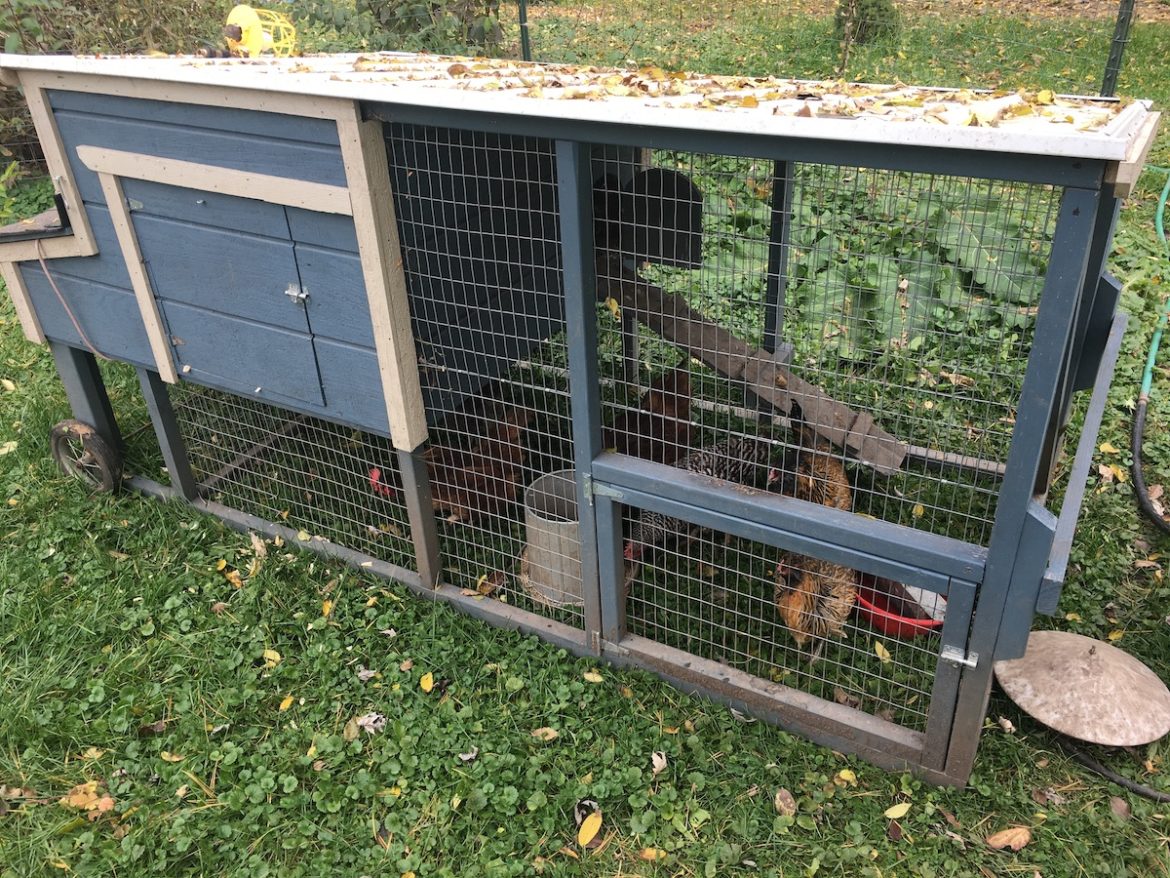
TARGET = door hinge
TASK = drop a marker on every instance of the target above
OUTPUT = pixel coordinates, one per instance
(296, 294)
(959, 656)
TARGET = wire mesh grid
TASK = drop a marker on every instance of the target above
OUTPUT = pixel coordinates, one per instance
(477, 220)
(18, 138)
(313, 476)
(1058, 44)
(792, 619)
(907, 297)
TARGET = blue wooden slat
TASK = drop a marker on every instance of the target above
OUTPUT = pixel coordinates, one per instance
(243, 355)
(222, 271)
(281, 158)
(244, 121)
(353, 385)
(107, 267)
(109, 316)
(207, 208)
(337, 304)
(322, 229)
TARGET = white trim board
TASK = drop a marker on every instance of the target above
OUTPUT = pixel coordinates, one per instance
(284, 191)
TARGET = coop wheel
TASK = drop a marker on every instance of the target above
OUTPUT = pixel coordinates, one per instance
(81, 452)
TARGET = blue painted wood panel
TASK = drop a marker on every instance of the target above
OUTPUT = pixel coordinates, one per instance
(353, 385)
(108, 266)
(207, 208)
(323, 229)
(244, 121)
(109, 316)
(227, 272)
(227, 149)
(337, 305)
(243, 355)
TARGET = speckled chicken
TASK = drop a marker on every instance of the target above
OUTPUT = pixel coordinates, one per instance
(814, 597)
(738, 459)
(661, 429)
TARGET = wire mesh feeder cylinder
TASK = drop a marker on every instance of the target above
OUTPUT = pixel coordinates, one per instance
(550, 567)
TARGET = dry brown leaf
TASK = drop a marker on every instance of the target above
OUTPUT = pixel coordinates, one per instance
(1013, 838)
(545, 733)
(406, 665)
(1120, 807)
(894, 831)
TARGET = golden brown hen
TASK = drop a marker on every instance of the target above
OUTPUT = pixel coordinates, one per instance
(814, 597)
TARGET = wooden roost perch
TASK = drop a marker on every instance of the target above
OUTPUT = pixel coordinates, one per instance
(673, 319)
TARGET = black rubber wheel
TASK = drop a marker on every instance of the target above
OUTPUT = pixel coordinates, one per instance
(81, 452)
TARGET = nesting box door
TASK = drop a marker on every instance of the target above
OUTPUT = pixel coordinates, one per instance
(225, 274)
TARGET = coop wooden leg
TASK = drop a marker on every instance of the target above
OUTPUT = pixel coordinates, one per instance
(86, 391)
(166, 428)
(416, 488)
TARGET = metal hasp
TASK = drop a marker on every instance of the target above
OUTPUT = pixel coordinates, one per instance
(813, 372)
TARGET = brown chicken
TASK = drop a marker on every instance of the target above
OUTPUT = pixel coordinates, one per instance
(483, 479)
(661, 428)
(814, 597)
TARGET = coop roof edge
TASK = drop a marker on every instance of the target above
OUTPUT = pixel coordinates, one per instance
(334, 77)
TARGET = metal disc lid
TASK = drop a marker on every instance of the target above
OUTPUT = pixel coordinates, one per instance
(1087, 689)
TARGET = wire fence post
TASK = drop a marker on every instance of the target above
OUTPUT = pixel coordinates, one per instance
(525, 40)
(1117, 48)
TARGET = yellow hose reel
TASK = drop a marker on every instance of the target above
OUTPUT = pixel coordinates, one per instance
(250, 32)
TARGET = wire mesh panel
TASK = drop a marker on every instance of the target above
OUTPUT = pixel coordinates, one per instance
(805, 622)
(477, 218)
(906, 298)
(313, 476)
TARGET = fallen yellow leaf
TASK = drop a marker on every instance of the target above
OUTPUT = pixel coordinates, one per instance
(271, 658)
(220, 564)
(286, 703)
(846, 776)
(427, 683)
(1108, 448)
(326, 607)
(1045, 96)
(593, 677)
(882, 652)
(614, 308)
(170, 757)
(303, 536)
(897, 812)
(589, 828)
(652, 854)
(1116, 635)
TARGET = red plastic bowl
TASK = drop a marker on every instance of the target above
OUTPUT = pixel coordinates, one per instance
(874, 606)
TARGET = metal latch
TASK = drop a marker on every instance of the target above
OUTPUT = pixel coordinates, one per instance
(296, 294)
(959, 656)
(594, 489)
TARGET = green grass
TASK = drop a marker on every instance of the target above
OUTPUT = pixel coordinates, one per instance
(107, 628)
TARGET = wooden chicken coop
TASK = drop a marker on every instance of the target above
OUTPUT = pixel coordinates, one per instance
(760, 384)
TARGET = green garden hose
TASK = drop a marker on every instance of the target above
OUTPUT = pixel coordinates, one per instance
(1139, 418)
